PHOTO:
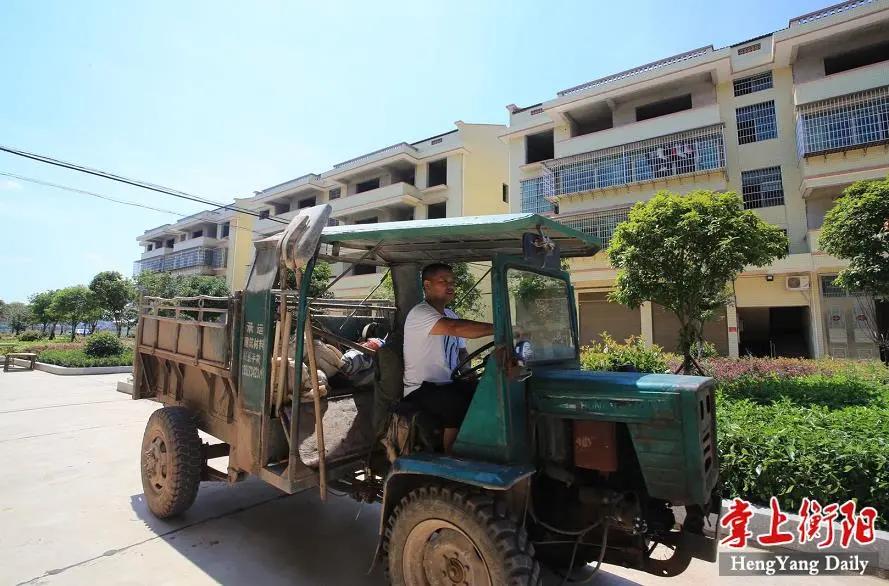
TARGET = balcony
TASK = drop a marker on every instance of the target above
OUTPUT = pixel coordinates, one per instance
(160, 251)
(397, 194)
(600, 224)
(652, 128)
(209, 258)
(680, 154)
(853, 121)
(201, 241)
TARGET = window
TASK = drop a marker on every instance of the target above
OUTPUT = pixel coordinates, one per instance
(663, 107)
(305, 203)
(534, 192)
(754, 83)
(539, 147)
(749, 49)
(599, 224)
(505, 193)
(762, 188)
(857, 58)
(540, 315)
(150, 248)
(169, 243)
(282, 208)
(830, 289)
(756, 122)
(437, 210)
(438, 173)
(367, 185)
(334, 194)
(225, 229)
(197, 233)
(263, 214)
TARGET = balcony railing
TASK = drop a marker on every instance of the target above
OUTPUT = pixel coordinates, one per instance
(684, 153)
(846, 122)
(213, 258)
(401, 147)
(829, 11)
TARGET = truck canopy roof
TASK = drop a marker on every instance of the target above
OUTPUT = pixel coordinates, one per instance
(468, 238)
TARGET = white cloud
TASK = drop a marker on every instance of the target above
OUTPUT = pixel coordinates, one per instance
(9, 185)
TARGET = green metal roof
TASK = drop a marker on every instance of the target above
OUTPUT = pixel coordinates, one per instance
(468, 238)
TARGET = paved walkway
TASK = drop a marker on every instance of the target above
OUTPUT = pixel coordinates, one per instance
(71, 508)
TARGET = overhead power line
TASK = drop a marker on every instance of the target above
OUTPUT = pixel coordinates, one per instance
(109, 198)
(133, 182)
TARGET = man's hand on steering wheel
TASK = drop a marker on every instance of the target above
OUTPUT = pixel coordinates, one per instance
(472, 372)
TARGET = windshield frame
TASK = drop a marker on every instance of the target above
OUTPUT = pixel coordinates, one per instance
(517, 263)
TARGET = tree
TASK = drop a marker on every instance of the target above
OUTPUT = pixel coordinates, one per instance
(167, 286)
(73, 304)
(40, 307)
(321, 276)
(857, 229)
(682, 251)
(2, 307)
(18, 316)
(113, 293)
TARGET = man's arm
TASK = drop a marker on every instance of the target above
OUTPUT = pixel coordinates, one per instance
(462, 328)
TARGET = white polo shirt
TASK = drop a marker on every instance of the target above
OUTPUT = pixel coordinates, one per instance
(428, 357)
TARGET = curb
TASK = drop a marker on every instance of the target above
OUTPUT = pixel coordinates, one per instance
(66, 371)
(125, 387)
(760, 523)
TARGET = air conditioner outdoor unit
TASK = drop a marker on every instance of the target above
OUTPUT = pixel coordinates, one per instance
(796, 283)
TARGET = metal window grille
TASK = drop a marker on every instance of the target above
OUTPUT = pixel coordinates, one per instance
(762, 188)
(534, 194)
(599, 224)
(851, 121)
(756, 122)
(830, 289)
(673, 155)
(754, 83)
(334, 194)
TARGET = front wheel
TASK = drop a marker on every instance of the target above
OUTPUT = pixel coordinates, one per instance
(439, 536)
(171, 461)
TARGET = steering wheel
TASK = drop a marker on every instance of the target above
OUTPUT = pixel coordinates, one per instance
(473, 372)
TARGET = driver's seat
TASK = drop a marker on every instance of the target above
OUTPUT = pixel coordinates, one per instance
(401, 427)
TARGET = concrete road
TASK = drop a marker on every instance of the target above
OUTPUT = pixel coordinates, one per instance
(72, 512)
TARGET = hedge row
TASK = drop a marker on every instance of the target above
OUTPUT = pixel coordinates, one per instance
(78, 358)
(793, 452)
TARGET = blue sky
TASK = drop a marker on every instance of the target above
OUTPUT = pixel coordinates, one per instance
(220, 99)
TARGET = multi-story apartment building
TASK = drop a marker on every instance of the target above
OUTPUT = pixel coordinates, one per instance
(463, 172)
(788, 120)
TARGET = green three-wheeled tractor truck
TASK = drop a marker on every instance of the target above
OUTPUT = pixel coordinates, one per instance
(552, 465)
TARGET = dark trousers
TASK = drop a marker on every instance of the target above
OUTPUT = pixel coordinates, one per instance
(447, 403)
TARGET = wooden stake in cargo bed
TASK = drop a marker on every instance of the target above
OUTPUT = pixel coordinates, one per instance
(319, 419)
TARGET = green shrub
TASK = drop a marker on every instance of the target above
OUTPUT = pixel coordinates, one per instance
(103, 344)
(29, 336)
(611, 355)
(79, 358)
(793, 452)
(833, 391)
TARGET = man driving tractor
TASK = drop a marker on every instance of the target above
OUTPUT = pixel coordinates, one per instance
(434, 344)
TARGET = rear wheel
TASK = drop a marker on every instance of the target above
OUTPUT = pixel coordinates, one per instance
(171, 461)
(438, 536)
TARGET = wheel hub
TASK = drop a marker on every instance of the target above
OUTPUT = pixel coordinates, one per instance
(156, 463)
(449, 558)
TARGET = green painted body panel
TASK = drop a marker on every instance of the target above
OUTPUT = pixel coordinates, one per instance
(255, 346)
(669, 417)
